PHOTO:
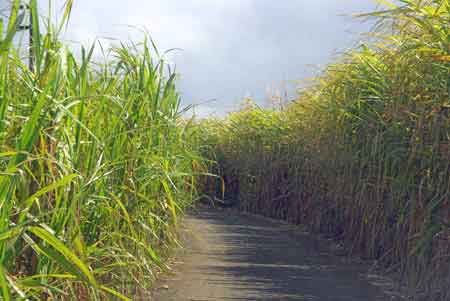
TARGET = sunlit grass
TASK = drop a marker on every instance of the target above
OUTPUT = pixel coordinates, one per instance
(96, 164)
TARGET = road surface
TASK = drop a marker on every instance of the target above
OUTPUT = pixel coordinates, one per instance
(231, 256)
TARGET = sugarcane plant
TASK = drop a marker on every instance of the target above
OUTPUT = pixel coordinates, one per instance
(96, 164)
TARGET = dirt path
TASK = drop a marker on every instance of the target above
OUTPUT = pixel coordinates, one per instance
(233, 257)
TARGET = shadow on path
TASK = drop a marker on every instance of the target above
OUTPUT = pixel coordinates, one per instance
(229, 256)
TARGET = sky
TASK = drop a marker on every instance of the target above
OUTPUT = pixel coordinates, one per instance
(231, 49)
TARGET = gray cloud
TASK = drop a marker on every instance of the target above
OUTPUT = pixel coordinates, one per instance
(232, 48)
(266, 43)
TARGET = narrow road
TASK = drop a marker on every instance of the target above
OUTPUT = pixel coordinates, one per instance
(228, 256)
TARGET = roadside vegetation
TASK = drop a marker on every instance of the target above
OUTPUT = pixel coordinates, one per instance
(98, 161)
(96, 164)
(363, 154)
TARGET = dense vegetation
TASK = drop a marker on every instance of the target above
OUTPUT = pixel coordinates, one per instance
(96, 163)
(364, 153)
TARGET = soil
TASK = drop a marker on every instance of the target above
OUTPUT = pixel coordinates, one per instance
(231, 256)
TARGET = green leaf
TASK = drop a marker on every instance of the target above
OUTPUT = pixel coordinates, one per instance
(28, 202)
(36, 47)
(6, 295)
(12, 233)
(69, 259)
(114, 293)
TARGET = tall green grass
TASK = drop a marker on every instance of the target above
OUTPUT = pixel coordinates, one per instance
(364, 153)
(96, 164)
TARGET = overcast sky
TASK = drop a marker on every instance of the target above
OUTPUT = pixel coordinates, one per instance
(231, 48)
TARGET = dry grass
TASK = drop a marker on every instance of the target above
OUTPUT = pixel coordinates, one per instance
(363, 154)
